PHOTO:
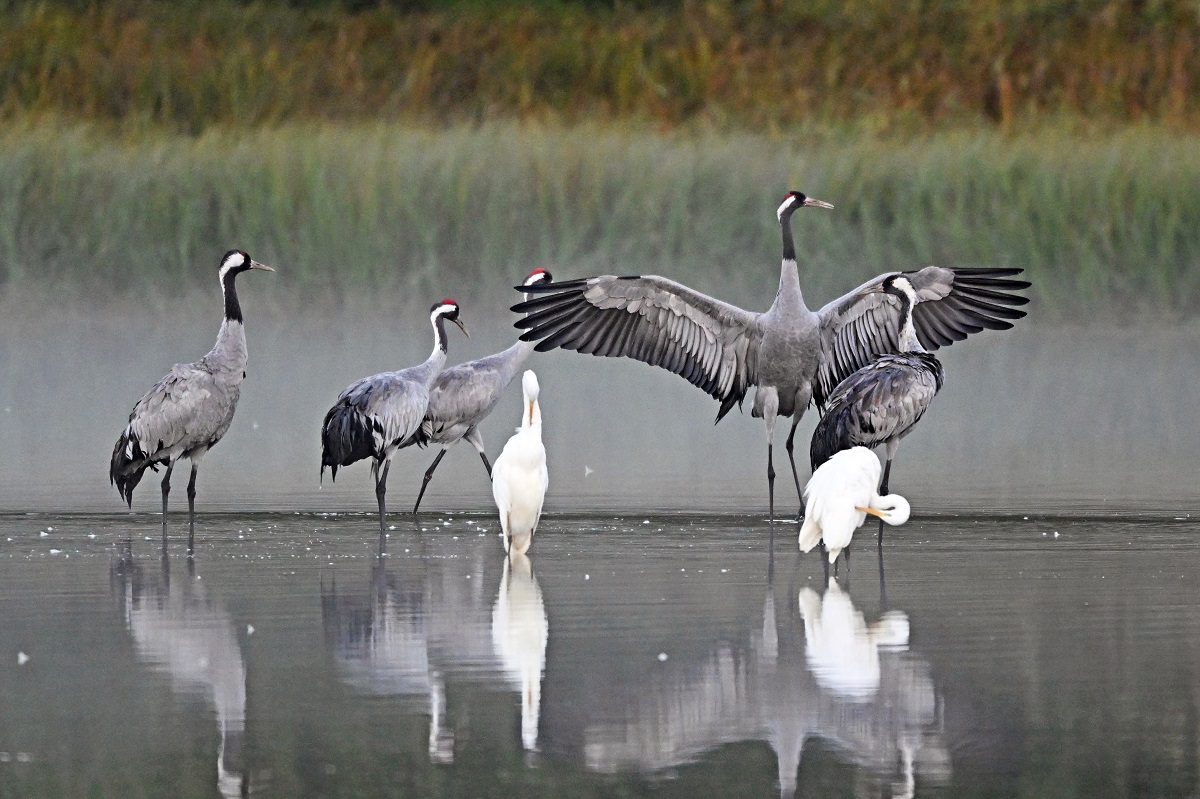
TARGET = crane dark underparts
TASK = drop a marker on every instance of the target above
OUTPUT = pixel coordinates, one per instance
(188, 411)
(792, 355)
(374, 416)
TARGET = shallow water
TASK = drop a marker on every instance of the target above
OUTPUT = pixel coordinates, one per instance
(631, 655)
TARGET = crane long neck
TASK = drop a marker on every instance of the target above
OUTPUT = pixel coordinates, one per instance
(908, 333)
(789, 274)
(233, 309)
(229, 351)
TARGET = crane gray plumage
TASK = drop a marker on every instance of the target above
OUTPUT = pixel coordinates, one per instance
(190, 408)
(879, 404)
(463, 396)
(374, 416)
(792, 354)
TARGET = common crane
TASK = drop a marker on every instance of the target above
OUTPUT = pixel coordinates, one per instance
(838, 497)
(375, 415)
(463, 396)
(520, 479)
(792, 354)
(188, 411)
(881, 403)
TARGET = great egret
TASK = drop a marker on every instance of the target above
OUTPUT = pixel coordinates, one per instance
(519, 476)
(838, 497)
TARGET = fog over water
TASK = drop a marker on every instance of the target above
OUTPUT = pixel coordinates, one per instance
(1040, 418)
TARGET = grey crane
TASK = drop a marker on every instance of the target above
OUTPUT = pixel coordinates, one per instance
(792, 354)
(375, 415)
(881, 402)
(189, 409)
(463, 396)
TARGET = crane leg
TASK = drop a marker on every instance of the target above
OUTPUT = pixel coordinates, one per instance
(191, 495)
(380, 490)
(883, 489)
(791, 458)
(166, 489)
(425, 480)
(477, 442)
(769, 411)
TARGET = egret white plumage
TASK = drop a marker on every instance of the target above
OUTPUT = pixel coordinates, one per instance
(188, 411)
(375, 415)
(881, 403)
(838, 497)
(792, 354)
(519, 477)
(463, 396)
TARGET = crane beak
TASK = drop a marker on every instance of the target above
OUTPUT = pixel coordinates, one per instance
(871, 511)
(809, 202)
(462, 327)
(256, 265)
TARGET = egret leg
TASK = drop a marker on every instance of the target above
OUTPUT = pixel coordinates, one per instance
(166, 489)
(191, 495)
(425, 481)
(883, 603)
(477, 442)
(791, 458)
(380, 490)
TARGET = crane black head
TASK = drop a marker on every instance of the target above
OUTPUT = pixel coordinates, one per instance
(536, 277)
(798, 199)
(446, 310)
(234, 263)
(899, 286)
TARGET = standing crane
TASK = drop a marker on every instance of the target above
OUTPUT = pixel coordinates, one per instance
(520, 479)
(840, 494)
(881, 403)
(463, 396)
(793, 355)
(375, 415)
(188, 411)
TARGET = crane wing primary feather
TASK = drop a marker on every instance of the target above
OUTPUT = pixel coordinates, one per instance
(951, 305)
(711, 344)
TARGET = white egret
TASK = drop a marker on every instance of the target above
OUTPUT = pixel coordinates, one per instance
(519, 476)
(838, 497)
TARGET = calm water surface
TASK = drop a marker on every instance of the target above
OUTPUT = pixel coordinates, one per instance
(629, 655)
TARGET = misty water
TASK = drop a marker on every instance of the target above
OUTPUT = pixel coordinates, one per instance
(1032, 631)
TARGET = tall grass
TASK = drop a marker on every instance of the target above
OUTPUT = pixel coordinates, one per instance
(388, 208)
(755, 65)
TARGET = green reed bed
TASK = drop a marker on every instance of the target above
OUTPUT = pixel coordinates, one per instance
(757, 65)
(390, 208)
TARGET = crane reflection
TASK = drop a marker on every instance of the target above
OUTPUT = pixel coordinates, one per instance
(425, 618)
(182, 631)
(814, 671)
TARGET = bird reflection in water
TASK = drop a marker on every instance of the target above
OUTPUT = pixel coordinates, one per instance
(180, 630)
(520, 631)
(815, 670)
(422, 621)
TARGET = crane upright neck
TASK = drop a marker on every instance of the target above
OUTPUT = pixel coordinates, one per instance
(233, 309)
(908, 341)
(789, 294)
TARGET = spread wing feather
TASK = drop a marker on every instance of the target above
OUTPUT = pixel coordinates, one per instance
(952, 304)
(711, 344)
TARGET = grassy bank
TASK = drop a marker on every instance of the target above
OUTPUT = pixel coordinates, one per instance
(913, 66)
(401, 209)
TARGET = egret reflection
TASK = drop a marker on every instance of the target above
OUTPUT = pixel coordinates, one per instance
(180, 630)
(520, 631)
(425, 619)
(815, 670)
